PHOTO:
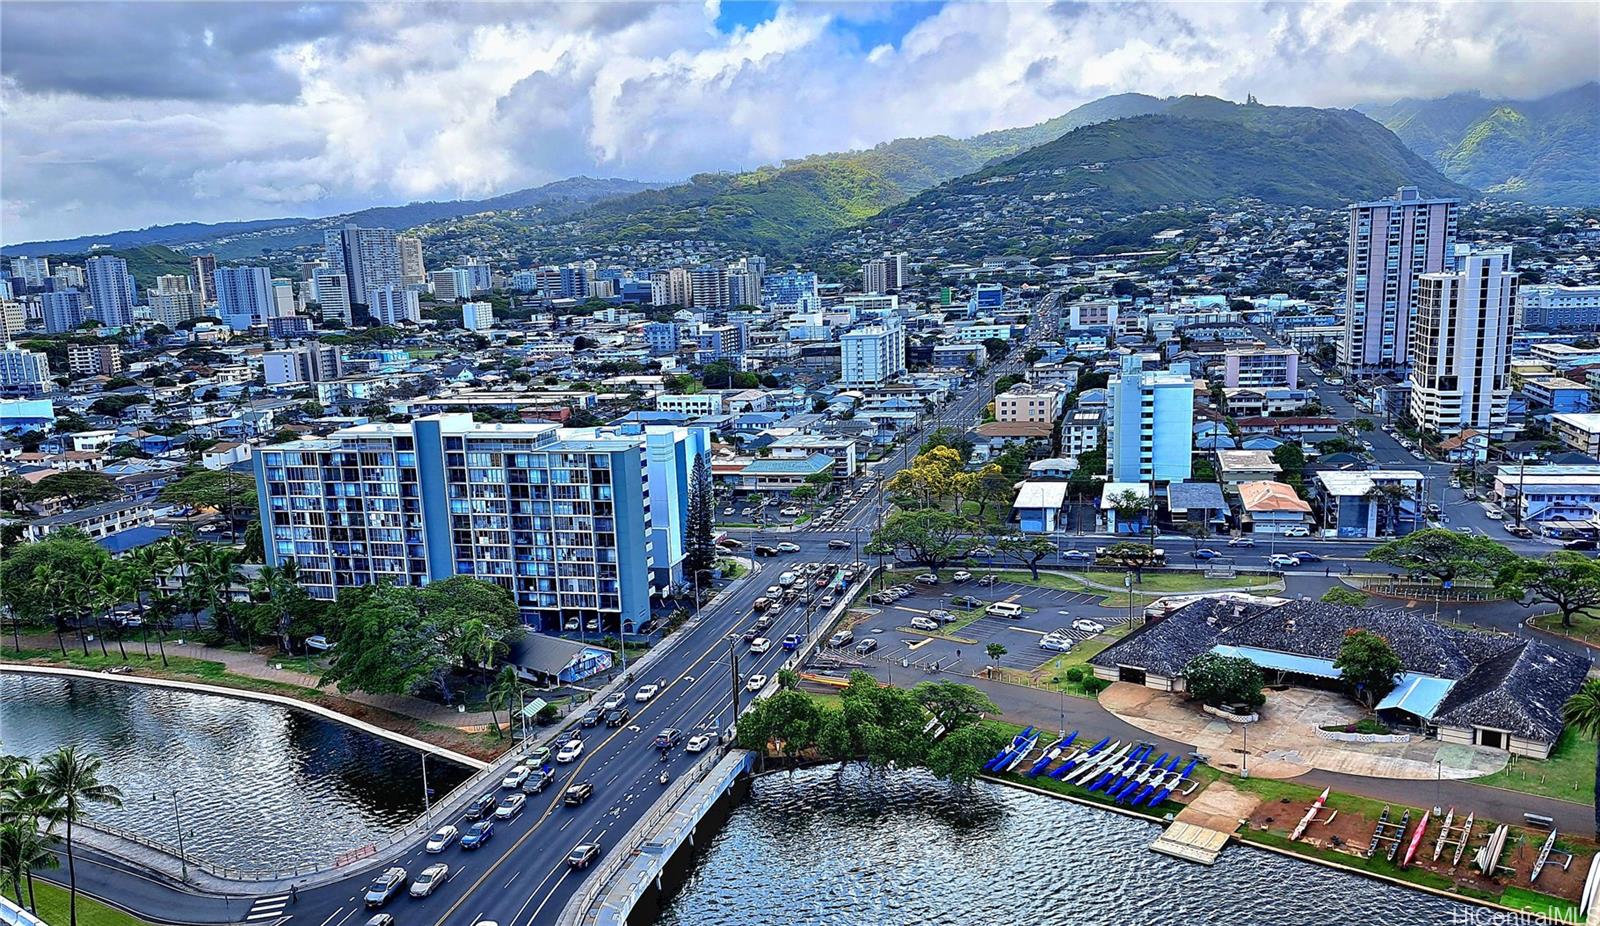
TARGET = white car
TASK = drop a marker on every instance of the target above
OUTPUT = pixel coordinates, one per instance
(962, 576)
(1075, 556)
(1283, 560)
(927, 578)
(793, 511)
(443, 838)
(646, 692)
(727, 512)
(825, 601)
(570, 752)
(319, 643)
(760, 645)
(1241, 542)
(515, 777)
(1088, 626)
(511, 806)
(924, 623)
(1297, 532)
(787, 547)
(697, 743)
(756, 682)
(1055, 642)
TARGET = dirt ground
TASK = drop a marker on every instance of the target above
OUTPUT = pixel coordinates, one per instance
(1522, 848)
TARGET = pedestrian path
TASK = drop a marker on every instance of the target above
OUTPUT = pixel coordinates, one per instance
(267, 908)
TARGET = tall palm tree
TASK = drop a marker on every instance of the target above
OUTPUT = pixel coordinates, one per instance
(502, 694)
(106, 584)
(50, 584)
(178, 554)
(1582, 711)
(216, 573)
(278, 585)
(138, 571)
(24, 805)
(72, 779)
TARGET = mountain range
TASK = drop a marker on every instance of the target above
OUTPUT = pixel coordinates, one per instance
(1545, 150)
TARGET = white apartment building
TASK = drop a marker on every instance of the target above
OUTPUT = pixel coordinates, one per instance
(873, 354)
(477, 316)
(94, 359)
(309, 363)
(392, 305)
(412, 272)
(23, 371)
(332, 289)
(1094, 313)
(1547, 307)
(1392, 243)
(701, 403)
(1461, 343)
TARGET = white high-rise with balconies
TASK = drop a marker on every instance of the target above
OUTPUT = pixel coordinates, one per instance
(1461, 343)
(873, 353)
(1393, 242)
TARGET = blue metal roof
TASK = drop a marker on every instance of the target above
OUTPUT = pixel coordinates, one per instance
(1417, 694)
(1282, 662)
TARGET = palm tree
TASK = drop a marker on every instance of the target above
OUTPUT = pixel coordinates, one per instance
(1582, 711)
(178, 554)
(105, 585)
(50, 584)
(138, 571)
(501, 695)
(216, 571)
(24, 805)
(1388, 496)
(278, 584)
(73, 780)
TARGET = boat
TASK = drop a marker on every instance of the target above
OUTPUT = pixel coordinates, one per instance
(1544, 857)
(1022, 753)
(1127, 772)
(1166, 789)
(1114, 770)
(1072, 762)
(1377, 832)
(1590, 885)
(1051, 754)
(1155, 783)
(1093, 767)
(1488, 858)
(1444, 833)
(1416, 840)
(1394, 846)
(1466, 837)
(1134, 781)
(1004, 755)
(1305, 821)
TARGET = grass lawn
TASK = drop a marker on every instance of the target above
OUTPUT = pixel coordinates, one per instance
(53, 907)
(1053, 674)
(1052, 580)
(1585, 629)
(1568, 773)
(176, 665)
(1560, 910)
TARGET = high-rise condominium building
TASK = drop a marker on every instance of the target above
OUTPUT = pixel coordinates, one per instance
(13, 319)
(284, 303)
(63, 310)
(567, 520)
(1461, 343)
(451, 284)
(477, 316)
(244, 296)
(205, 271)
(32, 271)
(791, 287)
(308, 363)
(412, 272)
(332, 292)
(744, 287)
(22, 372)
(110, 290)
(873, 353)
(1392, 243)
(369, 258)
(708, 285)
(94, 359)
(393, 305)
(671, 287)
(886, 274)
(1150, 423)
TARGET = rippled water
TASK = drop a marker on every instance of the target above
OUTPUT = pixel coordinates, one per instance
(820, 848)
(258, 785)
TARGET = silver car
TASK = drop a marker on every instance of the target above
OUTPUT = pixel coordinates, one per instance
(430, 878)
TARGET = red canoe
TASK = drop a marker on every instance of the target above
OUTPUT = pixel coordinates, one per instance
(1416, 840)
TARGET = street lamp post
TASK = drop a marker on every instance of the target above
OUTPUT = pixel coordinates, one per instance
(427, 795)
(177, 817)
(1244, 762)
(1438, 784)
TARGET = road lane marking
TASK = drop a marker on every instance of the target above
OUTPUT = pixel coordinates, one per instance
(330, 916)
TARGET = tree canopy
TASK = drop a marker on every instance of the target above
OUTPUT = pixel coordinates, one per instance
(1367, 664)
(1224, 680)
(1567, 580)
(1445, 555)
(68, 552)
(929, 537)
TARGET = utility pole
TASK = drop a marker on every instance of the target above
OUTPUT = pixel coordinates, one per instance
(733, 663)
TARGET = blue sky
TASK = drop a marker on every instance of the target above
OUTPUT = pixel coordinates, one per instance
(173, 111)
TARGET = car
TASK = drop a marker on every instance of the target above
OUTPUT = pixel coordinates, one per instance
(1464, 529)
(745, 510)
(727, 512)
(514, 778)
(838, 543)
(477, 834)
(511, 806)
(866, 646)
(965, 601)
(667, 738)
(961, 575)
(1075, 556)
(570, 751)
(825, 601)
(646, 692)
(764, 550)
(791, 642)
(1519, 530)
(537, 757)
(980, 552)
(1088, 626)
(884, 597)
(927, 578)
(430, 878)
(1282, 560)
(760, 645)
(1056, 642)
(924, 623)
(774, 591)
(821, 582)
(538, 780)
(988, 580)
(1306, 556)
(1580, 544)
(583, 855)
(1297, 532)
(788, 547)
(319, 643)
(481, 806)
(1205, 553)
(793, 511)
(572, 624)
(443, 838)
(941, 615)
(578, 793)
(617, 716)
(764, 621)
(1241, 541)
(385, 886)
(756, 682)
(381, 919)
(697, 743)
(613, 701)
(591, 718)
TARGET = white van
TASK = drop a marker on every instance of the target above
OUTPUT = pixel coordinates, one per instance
(786, 580)
(1005, 609)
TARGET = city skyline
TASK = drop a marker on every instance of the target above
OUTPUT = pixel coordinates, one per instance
(269, 110)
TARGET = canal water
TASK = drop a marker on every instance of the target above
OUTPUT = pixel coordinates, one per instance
(820, 847)
(257, 785)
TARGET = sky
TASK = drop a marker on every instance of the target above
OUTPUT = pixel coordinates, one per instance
(123, 115)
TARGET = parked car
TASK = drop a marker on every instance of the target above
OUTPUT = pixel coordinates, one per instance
(842, 637)
(583, 855)
(646, 692)
(477, 834)
(318, 643)
(1088, 626)
(927, 578)
(443, 838)
(570, 751)
(988, 580)
(429, 879)
(700, 742)
(385, 886)
(756, 682)
(1297, 532)
(924, 623)
(1056, 642)
(578, 793)
(961, 575)
(866, 646)
(965, 601)
(941, 615)
(838, 543)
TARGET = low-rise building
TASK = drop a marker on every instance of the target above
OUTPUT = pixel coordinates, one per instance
(1023, 402)
(94, 359)
(1258, 366)
(97, 521)
(1272, 508)
(1580, 432)
(1368, 504)
(783, 475)
(1236, 467)
(699, 403)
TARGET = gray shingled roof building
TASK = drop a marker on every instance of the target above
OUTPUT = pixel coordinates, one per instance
(1468, 687)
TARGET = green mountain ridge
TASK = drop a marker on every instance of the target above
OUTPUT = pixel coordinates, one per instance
(1545, 150)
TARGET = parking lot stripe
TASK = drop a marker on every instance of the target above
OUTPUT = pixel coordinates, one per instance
(1038, 633)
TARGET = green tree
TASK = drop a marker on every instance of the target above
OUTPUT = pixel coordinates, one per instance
(1569, 581)
(1367, 664)
(700, 550)
(1029, 551)
(1343, 595)
(68, 552)
(959, 755)
(929, 537)
(27, 814)
(72, 779)
(1292, 460)
(502, 694)
(75, 488)
(1445, 555)
(1129, 555)
(230, 493)
(1582, 711)
(1222, 680)
(789, 719)
(995, 650)
(953, 704)
(385, 645)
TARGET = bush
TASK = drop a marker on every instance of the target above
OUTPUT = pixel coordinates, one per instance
(1075, 675)
(1345, 596)
(1093, 685)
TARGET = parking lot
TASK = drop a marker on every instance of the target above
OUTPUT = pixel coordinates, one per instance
(962, 648)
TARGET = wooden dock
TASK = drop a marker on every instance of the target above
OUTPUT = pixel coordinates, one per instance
(1191, 842)
(1201, 829)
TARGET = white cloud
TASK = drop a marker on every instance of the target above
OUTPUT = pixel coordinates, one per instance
(279, 109)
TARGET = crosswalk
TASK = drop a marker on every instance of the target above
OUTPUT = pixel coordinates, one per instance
(267, 908)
